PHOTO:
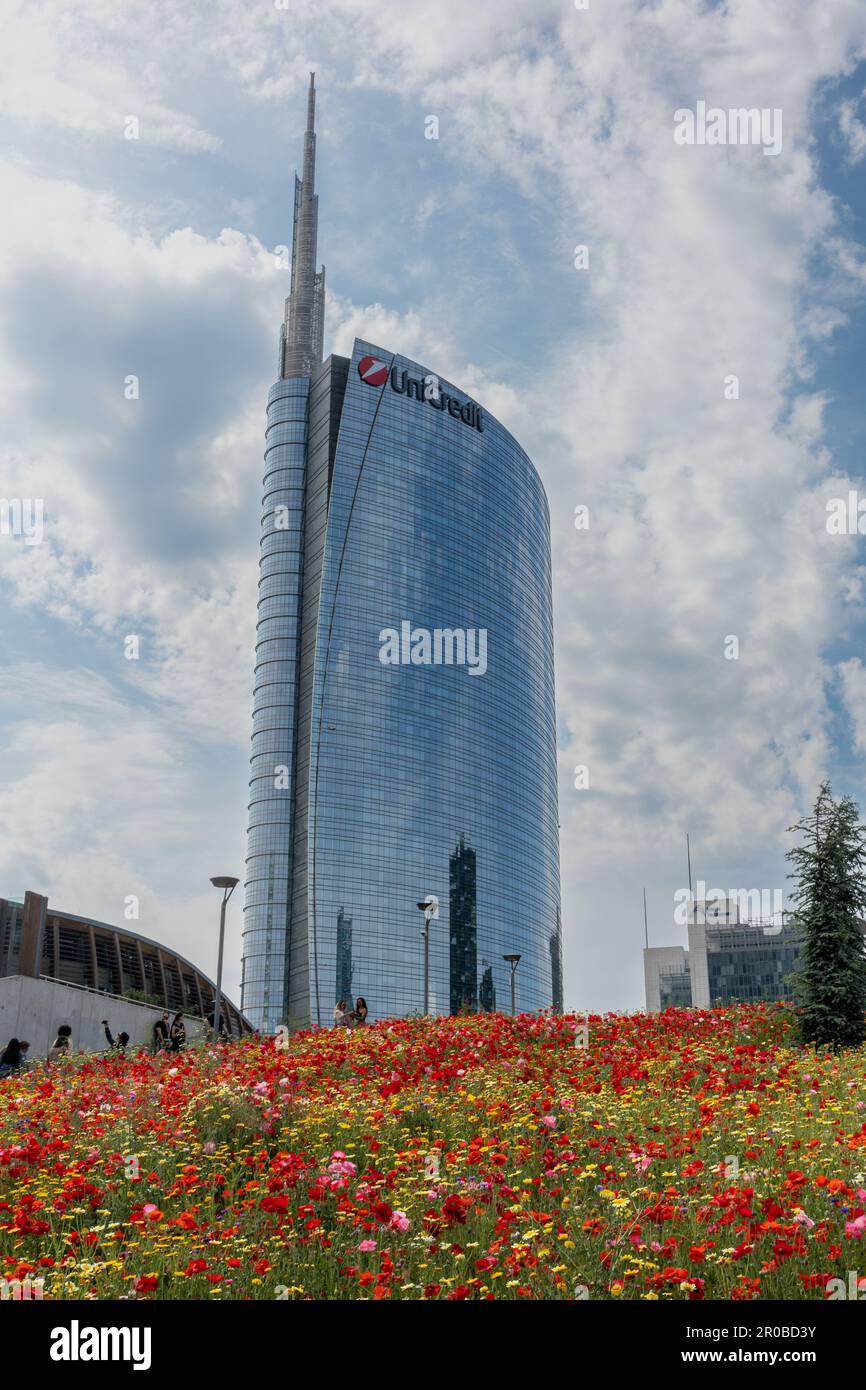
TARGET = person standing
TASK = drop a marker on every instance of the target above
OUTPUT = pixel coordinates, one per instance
(160, 1032)
(177, 1033)
(360, 1012)
(341, 1017)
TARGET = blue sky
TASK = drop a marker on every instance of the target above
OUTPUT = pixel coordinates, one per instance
(154, 257)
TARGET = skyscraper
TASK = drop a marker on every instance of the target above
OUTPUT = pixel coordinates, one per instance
(404, 698)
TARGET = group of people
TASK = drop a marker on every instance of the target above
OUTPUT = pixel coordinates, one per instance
(169, 1037)
(347, 1017)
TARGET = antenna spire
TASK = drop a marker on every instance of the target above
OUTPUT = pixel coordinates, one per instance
(303, 330)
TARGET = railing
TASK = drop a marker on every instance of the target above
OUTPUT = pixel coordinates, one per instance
(189, 1009)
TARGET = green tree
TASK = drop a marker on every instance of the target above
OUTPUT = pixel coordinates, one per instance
(830, 898)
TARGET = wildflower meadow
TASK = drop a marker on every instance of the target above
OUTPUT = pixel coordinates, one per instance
(684, 1156)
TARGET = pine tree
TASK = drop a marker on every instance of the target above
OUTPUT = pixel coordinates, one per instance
(830, 899)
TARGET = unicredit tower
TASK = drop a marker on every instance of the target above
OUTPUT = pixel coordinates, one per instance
(404, 727)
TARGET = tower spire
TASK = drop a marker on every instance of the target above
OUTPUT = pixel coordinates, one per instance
(304, 325)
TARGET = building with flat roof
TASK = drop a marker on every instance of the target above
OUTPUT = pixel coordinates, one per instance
(727, 960)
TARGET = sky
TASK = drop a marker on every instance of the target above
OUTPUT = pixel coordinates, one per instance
(156, 257)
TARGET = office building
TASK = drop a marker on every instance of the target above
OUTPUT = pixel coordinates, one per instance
(404, 726)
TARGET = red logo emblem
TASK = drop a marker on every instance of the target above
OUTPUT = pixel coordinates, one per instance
(371, 370)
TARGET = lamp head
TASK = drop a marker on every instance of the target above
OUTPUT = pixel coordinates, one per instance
(225, 881)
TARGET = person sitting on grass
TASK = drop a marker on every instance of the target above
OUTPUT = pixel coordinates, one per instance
(13, 1056)
(62, 1045)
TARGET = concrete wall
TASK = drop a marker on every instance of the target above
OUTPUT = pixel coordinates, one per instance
(34, 1009)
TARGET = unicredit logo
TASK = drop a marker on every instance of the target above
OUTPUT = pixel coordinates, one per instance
(371, 370)
(375, 373)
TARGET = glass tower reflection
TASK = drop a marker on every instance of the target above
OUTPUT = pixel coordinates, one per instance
(462, 929)
(343, 989)
(411, 776)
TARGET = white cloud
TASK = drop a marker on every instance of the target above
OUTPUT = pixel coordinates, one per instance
(92, 571)
(70, 70)
(96, 808)
(853, 677)
(853, 130)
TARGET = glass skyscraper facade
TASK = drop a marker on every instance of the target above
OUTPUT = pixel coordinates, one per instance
(404, 723)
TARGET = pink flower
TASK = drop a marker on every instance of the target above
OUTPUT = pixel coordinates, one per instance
(210, 1147)
(856, 1229)
(549, 1121)
(342, 1167)
(400, 1222)
(803, 1219)
(367, 1246)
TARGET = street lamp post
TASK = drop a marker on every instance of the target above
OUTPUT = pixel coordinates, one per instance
(228, 886)
(513, 961)
(430, 908)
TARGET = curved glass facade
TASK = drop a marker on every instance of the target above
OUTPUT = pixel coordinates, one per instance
(405, 677)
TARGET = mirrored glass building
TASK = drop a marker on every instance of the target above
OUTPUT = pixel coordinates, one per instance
(404, 736)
